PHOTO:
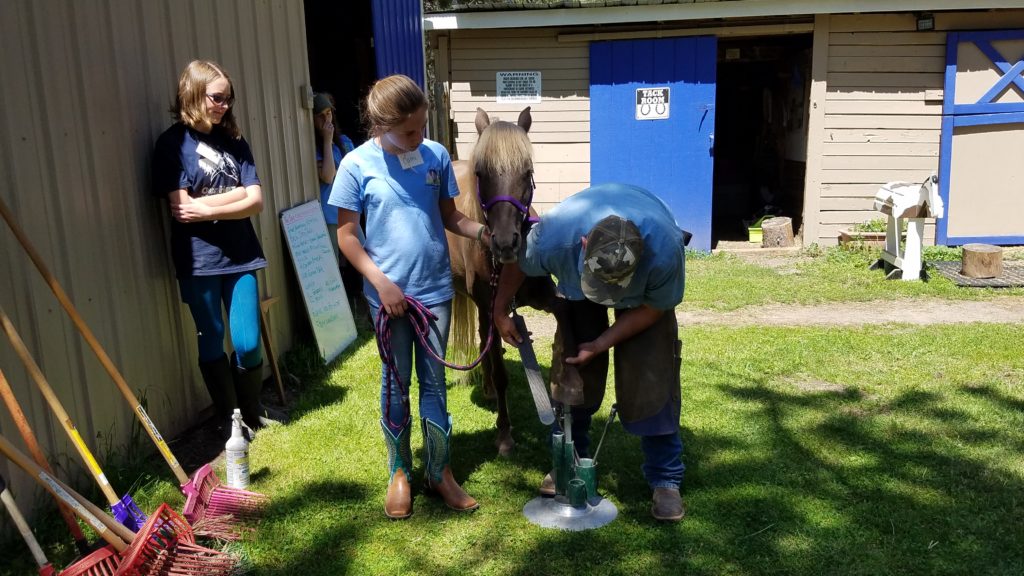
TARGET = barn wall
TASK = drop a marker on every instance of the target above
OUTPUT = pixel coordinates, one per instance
(86, 91)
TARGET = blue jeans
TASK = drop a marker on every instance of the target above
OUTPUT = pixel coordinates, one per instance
(239, 294)
(429, 372)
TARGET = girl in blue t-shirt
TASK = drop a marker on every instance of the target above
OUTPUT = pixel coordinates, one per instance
(205, 169)
(404, 185)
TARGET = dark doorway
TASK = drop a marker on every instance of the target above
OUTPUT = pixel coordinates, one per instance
(761, 112)
(339, 42)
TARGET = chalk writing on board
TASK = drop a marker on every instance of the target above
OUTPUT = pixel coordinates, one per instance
(305, 231)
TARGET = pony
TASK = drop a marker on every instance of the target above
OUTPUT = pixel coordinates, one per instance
(495, 188)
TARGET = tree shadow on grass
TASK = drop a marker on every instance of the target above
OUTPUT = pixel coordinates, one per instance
(873, 487)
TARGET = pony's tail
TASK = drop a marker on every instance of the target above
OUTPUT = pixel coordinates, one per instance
(462, 344)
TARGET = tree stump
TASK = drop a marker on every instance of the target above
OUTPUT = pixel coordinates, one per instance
(982, 261)
(777, 232)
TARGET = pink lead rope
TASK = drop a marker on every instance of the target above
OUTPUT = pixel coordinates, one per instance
(420, 317)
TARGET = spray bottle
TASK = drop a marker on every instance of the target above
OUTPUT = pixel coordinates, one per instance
(237, 454)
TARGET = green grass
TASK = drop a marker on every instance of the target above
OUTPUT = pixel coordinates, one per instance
(875, 450)
(725, 282)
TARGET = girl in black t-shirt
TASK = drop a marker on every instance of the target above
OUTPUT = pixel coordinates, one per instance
(205, 169)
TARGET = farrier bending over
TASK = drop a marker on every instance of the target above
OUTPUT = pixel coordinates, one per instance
(615, 246)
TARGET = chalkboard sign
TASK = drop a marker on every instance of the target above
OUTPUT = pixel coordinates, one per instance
(305, 231)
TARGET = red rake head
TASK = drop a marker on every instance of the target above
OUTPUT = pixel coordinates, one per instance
(103, 562)
(166, 545)
(207, 498)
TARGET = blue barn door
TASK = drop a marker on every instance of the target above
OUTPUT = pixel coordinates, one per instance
(982, 135)
(652, 121)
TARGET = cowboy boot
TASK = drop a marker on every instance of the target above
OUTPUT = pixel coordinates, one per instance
(248, 385)
(398, 500)
(439, 477)
(217, 377)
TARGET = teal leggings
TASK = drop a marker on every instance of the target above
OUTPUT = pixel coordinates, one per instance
(238, 293)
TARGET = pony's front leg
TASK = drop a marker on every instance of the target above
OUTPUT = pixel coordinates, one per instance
(494, 374)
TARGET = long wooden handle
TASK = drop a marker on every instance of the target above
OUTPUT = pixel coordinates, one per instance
(86, 510)
(37, 454)
(58, 409)
(90, 339)
(23, 527)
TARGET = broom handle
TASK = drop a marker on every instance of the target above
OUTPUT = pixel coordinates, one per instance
(37, 454)
(58, 409)
(86, 510)
(87, 334)
(23, 527)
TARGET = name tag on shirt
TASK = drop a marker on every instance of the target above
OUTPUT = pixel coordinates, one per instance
(410, 159)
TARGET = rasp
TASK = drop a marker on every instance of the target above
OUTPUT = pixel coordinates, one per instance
(533, 375)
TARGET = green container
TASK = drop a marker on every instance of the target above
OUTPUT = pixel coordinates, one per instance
(754, 235)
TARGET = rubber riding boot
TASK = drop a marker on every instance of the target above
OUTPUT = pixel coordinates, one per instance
(218, 379)
(668, 505)
(547, 485)
(398, 500)
(439, 477)
(248, 385)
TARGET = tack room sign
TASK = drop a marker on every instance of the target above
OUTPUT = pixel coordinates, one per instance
(652, 103)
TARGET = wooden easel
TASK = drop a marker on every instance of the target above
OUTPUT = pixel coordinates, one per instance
(265, 305)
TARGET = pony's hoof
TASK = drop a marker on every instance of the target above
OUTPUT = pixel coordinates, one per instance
(505, 446)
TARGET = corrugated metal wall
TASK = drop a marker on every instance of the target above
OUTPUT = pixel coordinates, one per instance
(398, 38)
(85, 92)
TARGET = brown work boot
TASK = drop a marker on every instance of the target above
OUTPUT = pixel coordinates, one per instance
(668, 505)
(452, 494)
(398, 501)
(547, 485)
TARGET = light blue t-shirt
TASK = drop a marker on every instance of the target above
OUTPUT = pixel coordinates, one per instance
(404, 234)
(331, 214)
(554, 244)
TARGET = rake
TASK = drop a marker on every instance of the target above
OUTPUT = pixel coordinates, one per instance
(124, 508)
(102, 562)
(204, 492)
(45, 568)
(165, 544)
(18, 416)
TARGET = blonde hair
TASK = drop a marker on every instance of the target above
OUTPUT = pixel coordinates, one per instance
(503, 148)
(190, 104)
(390, 102)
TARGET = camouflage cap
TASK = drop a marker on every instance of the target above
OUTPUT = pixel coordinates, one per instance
(614, 246)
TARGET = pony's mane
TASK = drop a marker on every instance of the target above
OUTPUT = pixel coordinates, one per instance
(503, 147)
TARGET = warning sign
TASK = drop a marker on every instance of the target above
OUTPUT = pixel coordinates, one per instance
(518, 87)
(652, 103)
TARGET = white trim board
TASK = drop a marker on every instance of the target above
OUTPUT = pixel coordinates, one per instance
(696, 11)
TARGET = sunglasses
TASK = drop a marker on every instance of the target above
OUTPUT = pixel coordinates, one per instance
(221, 99)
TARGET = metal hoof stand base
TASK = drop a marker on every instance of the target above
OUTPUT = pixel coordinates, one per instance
(557, 512)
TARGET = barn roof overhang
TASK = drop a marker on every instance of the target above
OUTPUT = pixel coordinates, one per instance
(692, 11)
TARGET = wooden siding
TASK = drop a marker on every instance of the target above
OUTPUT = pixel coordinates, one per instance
(86, 90)
(561, 121)
(883, 110)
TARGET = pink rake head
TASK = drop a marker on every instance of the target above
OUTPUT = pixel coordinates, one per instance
(166, 545)
(216, 508)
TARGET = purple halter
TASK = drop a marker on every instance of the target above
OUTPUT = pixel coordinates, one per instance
(523, 208)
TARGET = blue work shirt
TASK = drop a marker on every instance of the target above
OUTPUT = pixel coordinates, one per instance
(554, 246)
